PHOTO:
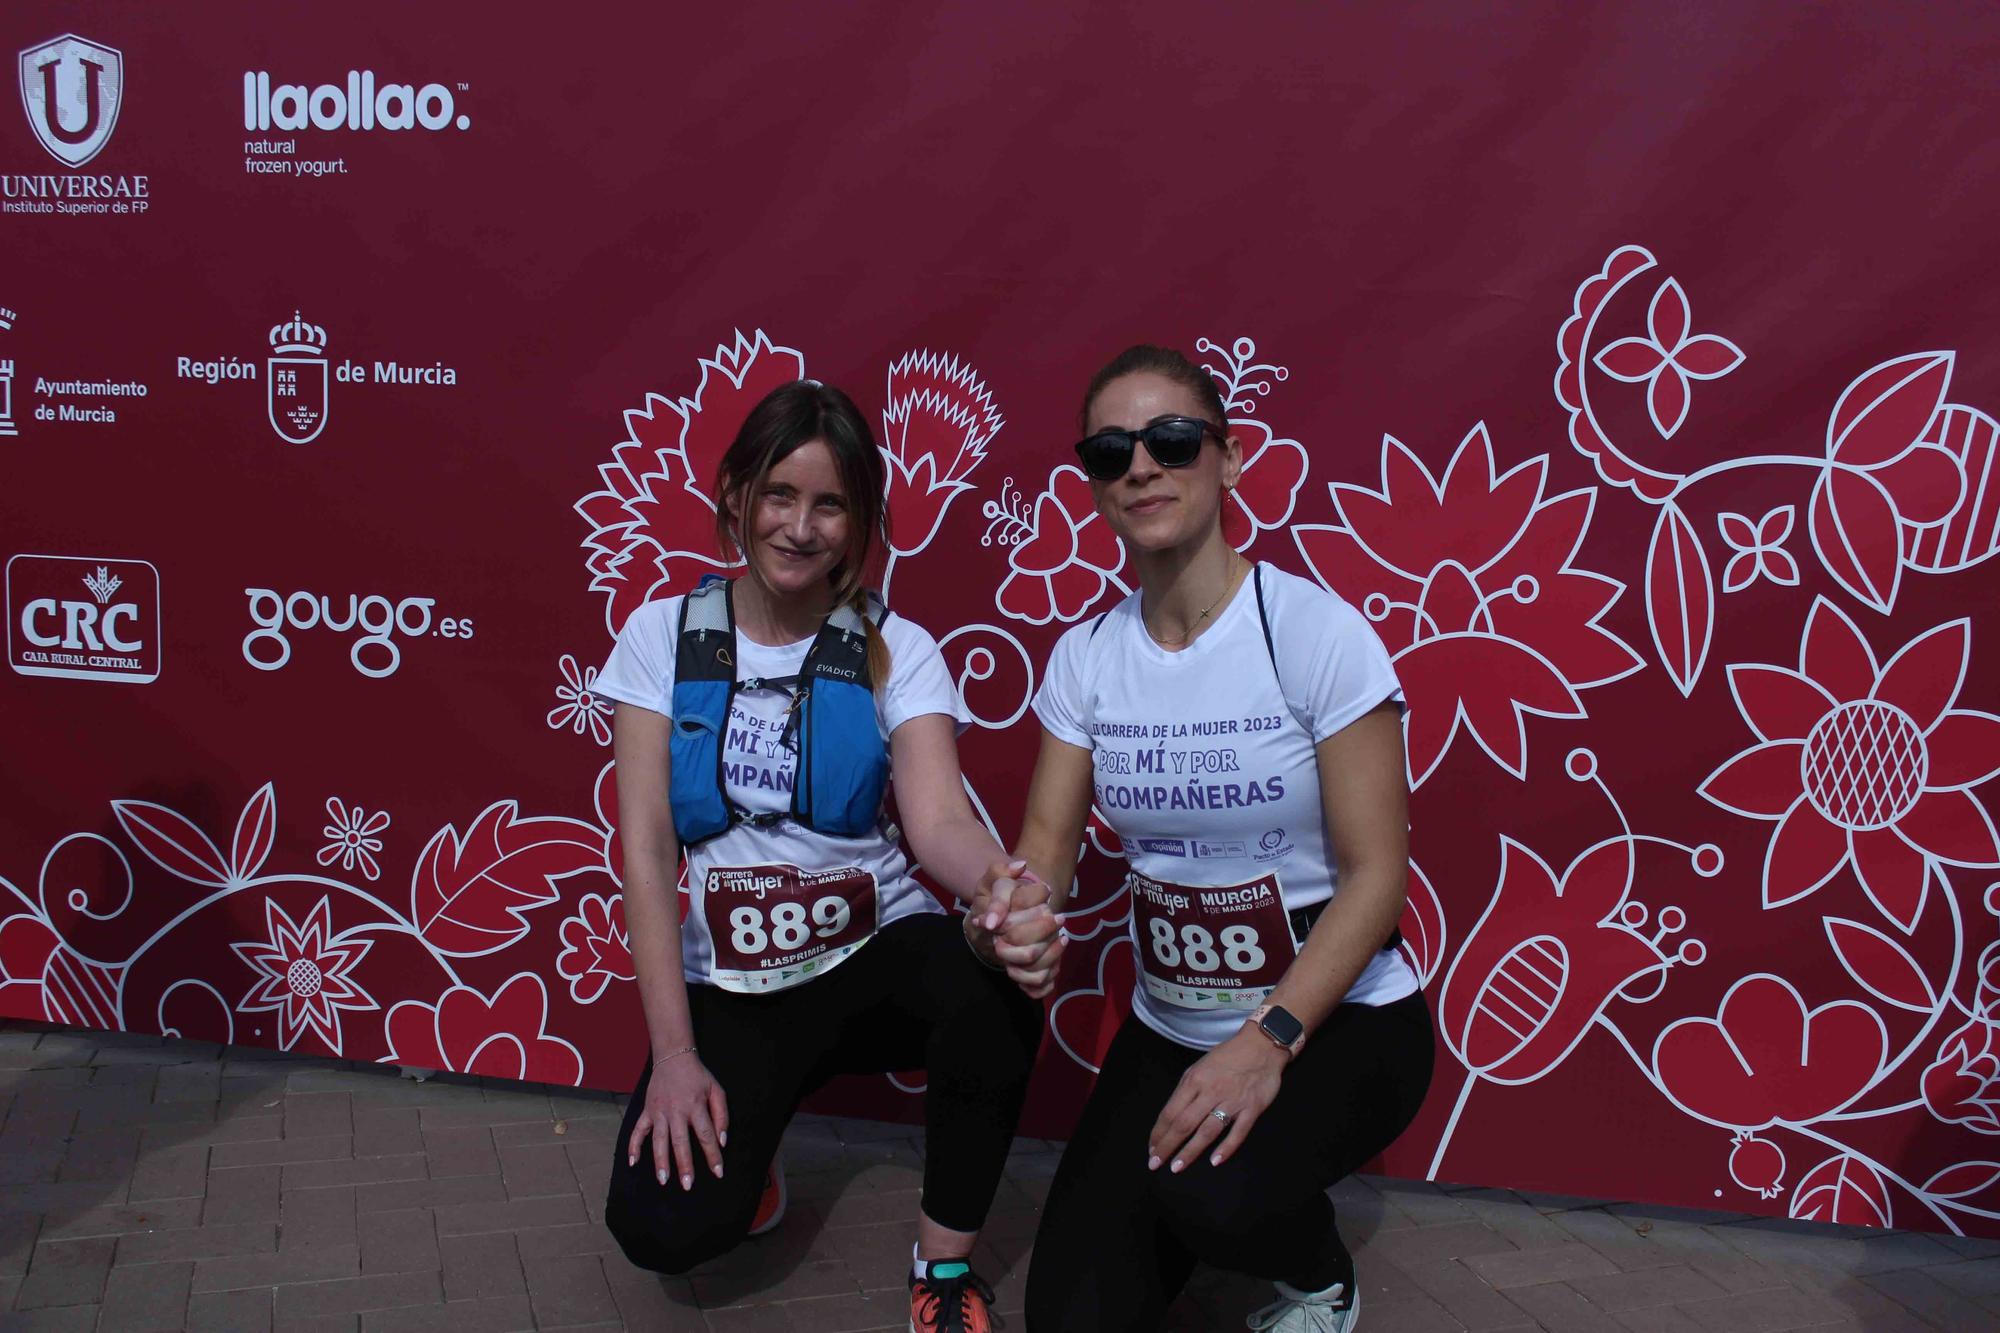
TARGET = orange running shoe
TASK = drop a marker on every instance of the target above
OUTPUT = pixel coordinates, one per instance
(952, 1299)
(771, 1205)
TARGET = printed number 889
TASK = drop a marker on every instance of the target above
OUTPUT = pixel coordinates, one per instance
(787, 928)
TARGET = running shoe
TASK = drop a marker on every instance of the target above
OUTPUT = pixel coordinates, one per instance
(1331, 1311)
(952, 1299)
(771, 1205)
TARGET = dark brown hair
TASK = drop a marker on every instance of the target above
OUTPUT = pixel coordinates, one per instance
(788, 418)
(1145, 358)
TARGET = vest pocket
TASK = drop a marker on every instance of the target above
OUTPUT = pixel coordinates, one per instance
(694, 790)
(843, 784)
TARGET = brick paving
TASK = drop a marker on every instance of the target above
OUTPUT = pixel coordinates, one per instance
(151, 1184)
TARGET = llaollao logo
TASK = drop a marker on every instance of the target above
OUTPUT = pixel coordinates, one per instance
(72, 89)
(361, 102)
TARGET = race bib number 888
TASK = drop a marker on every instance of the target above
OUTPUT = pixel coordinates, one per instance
(773, 927)
(1211, 945)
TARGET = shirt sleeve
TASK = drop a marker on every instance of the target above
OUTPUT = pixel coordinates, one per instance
(1335, 667)
(640, 670)
(1059, 702)
(919, 681)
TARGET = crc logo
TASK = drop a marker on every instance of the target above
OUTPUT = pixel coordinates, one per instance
(72, 88)
(379, 620)
(83, 618)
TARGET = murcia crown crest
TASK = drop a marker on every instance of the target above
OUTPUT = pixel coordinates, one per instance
(296, 336)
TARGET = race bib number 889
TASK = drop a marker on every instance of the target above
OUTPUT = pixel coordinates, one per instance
(773, 927)
(1206, 946)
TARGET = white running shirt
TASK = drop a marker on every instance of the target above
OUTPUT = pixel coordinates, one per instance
(1205, 773)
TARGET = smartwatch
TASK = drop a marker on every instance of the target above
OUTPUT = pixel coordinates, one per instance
(1280, 1026)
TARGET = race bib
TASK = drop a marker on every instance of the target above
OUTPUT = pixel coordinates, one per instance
(773, 927)
(1211, 946)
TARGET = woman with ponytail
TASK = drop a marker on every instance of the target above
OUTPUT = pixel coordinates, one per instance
(758, 721)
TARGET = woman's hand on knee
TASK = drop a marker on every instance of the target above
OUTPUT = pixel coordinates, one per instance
(1240, 1079)
(684, 1109)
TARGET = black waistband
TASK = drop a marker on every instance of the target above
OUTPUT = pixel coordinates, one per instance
(1302, 920)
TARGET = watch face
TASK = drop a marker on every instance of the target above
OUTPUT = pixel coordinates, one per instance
(1282, 1026)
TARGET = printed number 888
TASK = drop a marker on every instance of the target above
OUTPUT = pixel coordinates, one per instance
(1195, 947)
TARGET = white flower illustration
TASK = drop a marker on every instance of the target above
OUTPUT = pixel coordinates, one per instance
(304, 973)
(581, 708)
(351, 837)
(1759, 550)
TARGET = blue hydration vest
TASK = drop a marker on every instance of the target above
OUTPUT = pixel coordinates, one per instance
(843, 765)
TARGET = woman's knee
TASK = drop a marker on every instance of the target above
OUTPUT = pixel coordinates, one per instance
(663, 1243)
(667, 1232)
(1212, 1200)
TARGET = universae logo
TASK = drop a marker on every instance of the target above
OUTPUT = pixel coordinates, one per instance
(72, 89)
(83, 618)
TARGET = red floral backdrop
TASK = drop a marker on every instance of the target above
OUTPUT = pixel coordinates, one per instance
(1634, 378)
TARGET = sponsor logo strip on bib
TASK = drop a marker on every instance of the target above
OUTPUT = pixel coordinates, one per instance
(774, 927)
(1211, 946)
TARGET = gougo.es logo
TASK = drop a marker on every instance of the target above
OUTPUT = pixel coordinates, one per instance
(376, 618)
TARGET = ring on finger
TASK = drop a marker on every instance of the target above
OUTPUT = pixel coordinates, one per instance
(1222, 1115)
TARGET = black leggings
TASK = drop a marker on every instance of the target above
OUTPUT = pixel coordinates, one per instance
(913, 997)
(1117, 1241)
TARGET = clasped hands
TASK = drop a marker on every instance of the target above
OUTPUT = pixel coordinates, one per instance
(1012, 924)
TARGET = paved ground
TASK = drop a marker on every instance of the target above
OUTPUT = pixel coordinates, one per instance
(148, 1184)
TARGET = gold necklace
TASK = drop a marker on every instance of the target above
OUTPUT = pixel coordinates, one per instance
(1234, 579)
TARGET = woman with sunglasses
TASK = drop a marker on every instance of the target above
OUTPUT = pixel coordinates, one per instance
(756, 726)
(1240, 730)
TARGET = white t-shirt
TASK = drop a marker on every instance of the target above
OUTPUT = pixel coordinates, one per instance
(758, 770)
(1205, 773)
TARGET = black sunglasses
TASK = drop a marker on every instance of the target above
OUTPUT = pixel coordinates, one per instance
(1171, 441)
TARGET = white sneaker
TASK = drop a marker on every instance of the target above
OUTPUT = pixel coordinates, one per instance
(1331, 1311)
